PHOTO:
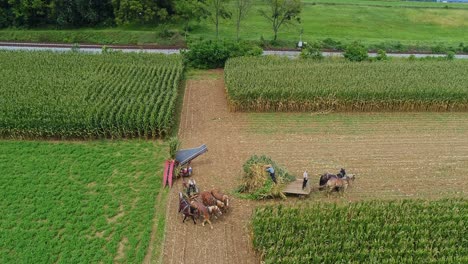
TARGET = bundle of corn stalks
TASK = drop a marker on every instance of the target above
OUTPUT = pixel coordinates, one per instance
(256, 181)
(174, 144)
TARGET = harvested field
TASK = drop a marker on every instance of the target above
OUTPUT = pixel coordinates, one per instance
(395, 156)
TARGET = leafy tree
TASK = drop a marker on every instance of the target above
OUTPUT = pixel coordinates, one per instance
(281, 12)
(381, 55)
(356, 52)
(28, 12)
(242, 7)
(188, 10)
(450, 55)
(217, 10)
(81, 12)
(5, 14)
(138, 11)
(214, 54)
(312, 51)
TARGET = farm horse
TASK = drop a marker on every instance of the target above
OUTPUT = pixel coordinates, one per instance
(205, 211)
(208, 200)
(324, 178)
(186, 209)
(221, 197)
(338, 184)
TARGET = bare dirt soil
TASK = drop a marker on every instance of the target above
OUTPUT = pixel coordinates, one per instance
(395, 156)
(206, 120)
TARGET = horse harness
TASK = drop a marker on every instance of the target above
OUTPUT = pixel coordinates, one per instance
(187, 205)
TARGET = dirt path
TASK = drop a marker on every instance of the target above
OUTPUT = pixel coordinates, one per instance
(397, 155)
(205, 119)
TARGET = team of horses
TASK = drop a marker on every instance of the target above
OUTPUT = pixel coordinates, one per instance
(335, 182)
(194, 204)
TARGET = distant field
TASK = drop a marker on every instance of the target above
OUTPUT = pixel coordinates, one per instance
(366, 232)
(280, 84)
(390, 3)
(385, 24)
(81, 202)
(369, 24)
(87, 96)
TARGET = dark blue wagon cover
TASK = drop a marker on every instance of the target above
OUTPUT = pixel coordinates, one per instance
(185, 156)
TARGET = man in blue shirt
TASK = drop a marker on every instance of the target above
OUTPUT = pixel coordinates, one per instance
(271, 170)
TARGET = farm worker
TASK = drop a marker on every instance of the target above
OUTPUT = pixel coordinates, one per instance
(272, 172)
(192, 187)
(305, 180)
(342, 173)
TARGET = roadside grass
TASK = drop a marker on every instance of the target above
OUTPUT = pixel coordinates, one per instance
(374, 23)
(91, 35)
(389, 3)
(83, 202)
(197, 74)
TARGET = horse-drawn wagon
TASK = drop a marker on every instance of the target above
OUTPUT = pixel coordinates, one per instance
(180, 166)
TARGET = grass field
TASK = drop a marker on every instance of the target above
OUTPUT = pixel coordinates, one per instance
(281, 84)
(367, 232)
(75, 95)
(369, 24)
(80, 202)
(375, 23)
(390, 3)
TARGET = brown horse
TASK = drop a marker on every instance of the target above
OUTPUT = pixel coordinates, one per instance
(186, 209)
(205, 211)
(221, 197)
(327, 176)
(209, 200)
(324, 178)
(338, 184)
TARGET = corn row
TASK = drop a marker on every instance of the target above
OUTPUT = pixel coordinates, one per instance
(410, 231)
(50, 95)
(282, 85)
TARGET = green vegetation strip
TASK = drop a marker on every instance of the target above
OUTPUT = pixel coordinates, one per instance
(281, 84)
(75, 95)
(429, 27)
(80, 202)
(410, 231)
(389, 3)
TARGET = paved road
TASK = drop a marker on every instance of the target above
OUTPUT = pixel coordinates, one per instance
(123, 48)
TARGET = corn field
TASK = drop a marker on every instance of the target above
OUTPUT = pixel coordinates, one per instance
(281, 84)
(409, 231)
(75, 95)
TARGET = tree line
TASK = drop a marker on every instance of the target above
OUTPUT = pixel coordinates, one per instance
(79, 13)
(85, 13)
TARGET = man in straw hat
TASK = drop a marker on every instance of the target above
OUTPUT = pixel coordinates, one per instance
(271, 170)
